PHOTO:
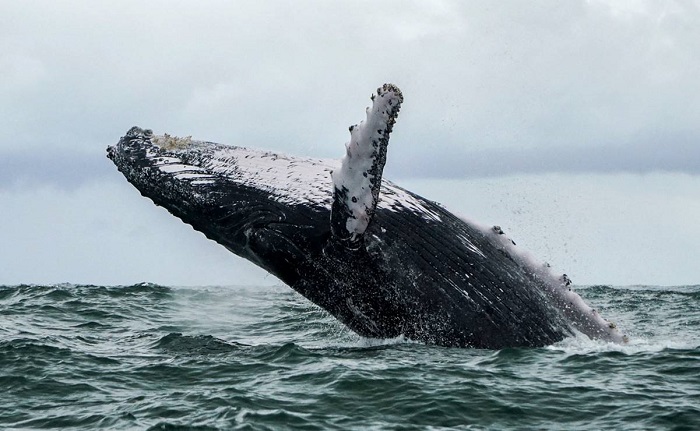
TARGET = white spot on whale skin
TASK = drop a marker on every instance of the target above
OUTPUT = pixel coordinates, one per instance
(175, 168)
(191, 176)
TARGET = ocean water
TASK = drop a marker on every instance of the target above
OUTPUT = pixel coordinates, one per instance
(264, 358)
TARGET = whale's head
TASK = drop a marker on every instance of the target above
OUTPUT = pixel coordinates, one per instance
(257, 204)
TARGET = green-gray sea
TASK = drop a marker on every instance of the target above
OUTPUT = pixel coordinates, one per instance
(264, 358)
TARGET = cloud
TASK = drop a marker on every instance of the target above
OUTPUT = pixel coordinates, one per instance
(517, 82)
(66, 170)
(648, 155)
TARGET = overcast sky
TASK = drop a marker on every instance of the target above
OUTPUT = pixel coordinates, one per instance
(511, 109)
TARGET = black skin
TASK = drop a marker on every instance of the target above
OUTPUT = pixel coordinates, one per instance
(407, 275)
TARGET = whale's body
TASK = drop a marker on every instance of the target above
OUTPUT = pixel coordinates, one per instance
(405, 266)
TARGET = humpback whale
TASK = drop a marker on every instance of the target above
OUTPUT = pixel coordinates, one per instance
(382, 260)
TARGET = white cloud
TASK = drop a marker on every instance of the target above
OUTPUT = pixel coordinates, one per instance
(292, 77)
(20, 74)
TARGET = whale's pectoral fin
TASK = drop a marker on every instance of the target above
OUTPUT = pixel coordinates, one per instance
(357, 182)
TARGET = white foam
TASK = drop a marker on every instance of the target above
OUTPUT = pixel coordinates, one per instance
(581, 345)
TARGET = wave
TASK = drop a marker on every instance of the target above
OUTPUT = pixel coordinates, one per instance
(148, 356)
(195, 344)
(64, 291)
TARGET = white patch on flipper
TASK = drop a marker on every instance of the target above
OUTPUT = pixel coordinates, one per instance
(356, 176)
